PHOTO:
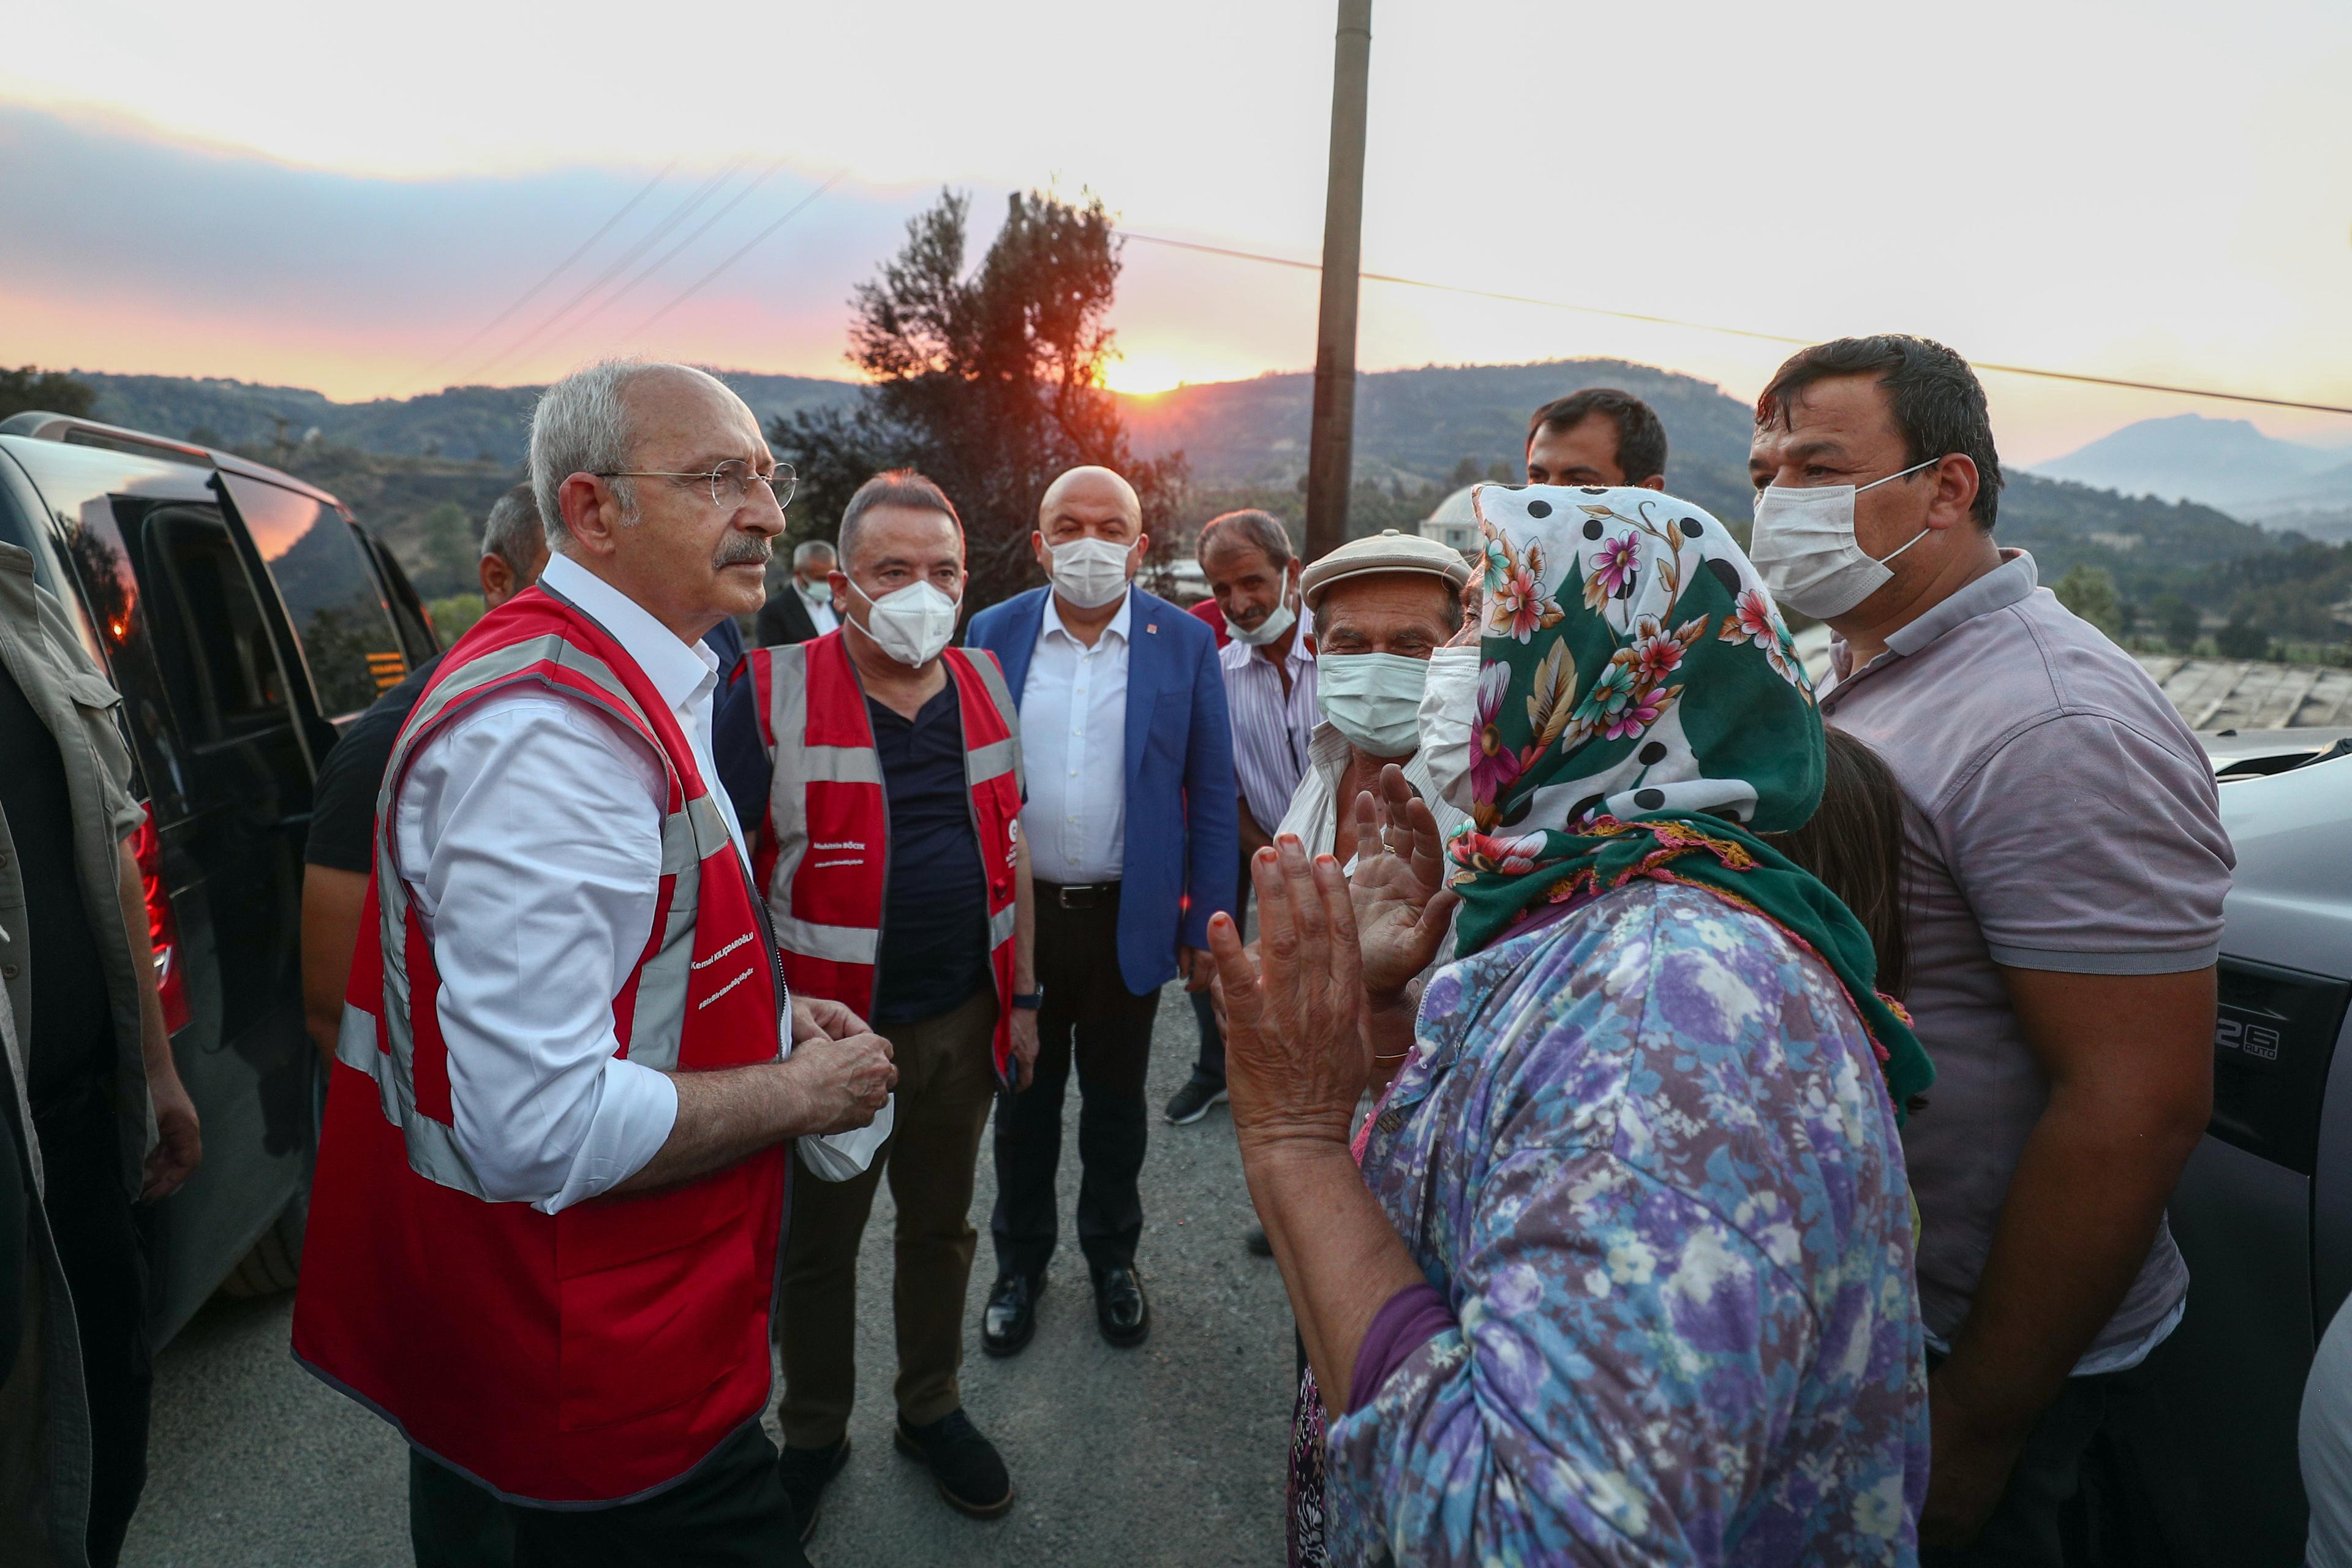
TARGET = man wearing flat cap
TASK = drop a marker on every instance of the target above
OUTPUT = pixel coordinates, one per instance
(1383, 606)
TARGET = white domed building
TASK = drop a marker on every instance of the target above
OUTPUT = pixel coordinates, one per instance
(1454, 522)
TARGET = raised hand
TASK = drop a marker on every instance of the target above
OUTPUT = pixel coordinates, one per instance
(1294, 1059)
(1403, 908)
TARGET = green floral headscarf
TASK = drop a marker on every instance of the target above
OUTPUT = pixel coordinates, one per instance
(1642, 712)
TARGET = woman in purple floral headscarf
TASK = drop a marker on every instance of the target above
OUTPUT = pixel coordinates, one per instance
(1626, 1274)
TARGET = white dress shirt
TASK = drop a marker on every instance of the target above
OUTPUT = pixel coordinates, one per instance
(1271, 725)
(529, 834)
(819, 607)
(1074, 740)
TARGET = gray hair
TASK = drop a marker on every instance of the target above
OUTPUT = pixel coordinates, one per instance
(514, 533)
(1249, 528)
(809, 551)
(580, 426)
(892, 487)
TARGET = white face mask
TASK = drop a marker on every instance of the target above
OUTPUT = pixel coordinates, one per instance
(1804, 549)
(912, 625)
(817, 592)
(1373, 698)
(1278, 620)
(1447, 720)
(1091, 572)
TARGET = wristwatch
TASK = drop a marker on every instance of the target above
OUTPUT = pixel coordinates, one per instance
(1029, 1001)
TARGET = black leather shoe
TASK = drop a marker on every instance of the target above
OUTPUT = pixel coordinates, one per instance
(1010, 1315)
(805, 1473)
(1119, 1307)
(1192, 1101)
(1258, 1242)
(964, 1465)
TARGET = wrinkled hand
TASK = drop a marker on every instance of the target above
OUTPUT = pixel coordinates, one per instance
(1025, 1046)
(1402, 905)
(844, 1083)
(1195, 965)
(1294, 1062)
(181, 1145)
(1967, 1476)
(821, 1019)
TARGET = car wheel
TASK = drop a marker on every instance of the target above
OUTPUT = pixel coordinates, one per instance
(275, 1264)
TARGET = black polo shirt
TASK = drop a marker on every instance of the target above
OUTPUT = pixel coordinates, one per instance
(70, 1036)
(935, 910)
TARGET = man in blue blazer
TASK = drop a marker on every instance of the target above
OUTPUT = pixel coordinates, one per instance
(1132, 842)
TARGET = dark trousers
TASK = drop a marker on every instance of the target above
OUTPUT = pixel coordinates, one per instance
(1093, 1021)
(946, 1081)
(454, 1522)
(1212, 1062)
(2075, 1500)
(97, 1241)
(731, 1512)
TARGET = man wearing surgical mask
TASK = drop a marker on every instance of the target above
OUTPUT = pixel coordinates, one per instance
(2065, 868)
(1131, 833)
(1385, 608)
(908, 903)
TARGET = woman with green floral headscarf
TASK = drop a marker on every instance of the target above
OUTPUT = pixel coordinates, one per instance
(1626, 1275)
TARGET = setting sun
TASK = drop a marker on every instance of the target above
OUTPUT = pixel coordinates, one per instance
(1143, 378)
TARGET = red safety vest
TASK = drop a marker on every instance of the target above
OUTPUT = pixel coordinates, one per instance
(597, 1354)
(822, 855)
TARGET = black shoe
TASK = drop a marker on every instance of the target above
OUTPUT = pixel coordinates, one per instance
(1257, 1241)
(1119, 1307)
(1010, 1315)
(805, 1473)
(964, 1465)
(1192, 1102)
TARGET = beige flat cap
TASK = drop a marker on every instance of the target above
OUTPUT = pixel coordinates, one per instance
(1387, 550)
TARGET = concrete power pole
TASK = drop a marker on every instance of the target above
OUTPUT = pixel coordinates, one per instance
(1331, 441)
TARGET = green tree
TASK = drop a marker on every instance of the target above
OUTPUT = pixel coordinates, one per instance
(988, 379)
(2176, 620)
(447, 548)
(49, 391)
(2243, 636)
(2090, 592)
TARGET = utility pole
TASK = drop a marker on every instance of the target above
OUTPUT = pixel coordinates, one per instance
(1331, 439)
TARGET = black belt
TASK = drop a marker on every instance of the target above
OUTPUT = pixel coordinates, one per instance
(1079, 895)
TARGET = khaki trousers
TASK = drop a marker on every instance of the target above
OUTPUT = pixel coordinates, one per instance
(946, 1085)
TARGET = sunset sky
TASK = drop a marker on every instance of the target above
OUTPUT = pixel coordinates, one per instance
(346, 197)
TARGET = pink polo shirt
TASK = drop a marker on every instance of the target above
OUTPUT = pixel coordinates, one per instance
(2062, 816)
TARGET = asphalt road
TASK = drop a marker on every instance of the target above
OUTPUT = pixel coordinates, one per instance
(1171, 1453)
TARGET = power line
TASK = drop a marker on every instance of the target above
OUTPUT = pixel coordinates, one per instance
(627, 258)
(666, 256)
(553, 273)
(700, 283)
(1726, 332)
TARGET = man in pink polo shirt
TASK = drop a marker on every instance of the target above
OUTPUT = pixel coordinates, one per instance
(2064, 873)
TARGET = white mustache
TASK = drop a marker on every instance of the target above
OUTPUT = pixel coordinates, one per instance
(744, 551)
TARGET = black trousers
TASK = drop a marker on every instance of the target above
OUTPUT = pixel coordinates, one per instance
(106, 1269)
(1092, 1021)
(730, 1513)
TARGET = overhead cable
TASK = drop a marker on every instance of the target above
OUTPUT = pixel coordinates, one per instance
(1723, 330)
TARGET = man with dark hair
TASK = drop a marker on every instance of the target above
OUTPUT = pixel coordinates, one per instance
(2066, 869)
(897, 882)
(1597, 437)
(1268, 664)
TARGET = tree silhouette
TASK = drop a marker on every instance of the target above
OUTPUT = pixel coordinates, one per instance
(48, 391)
(991, 383)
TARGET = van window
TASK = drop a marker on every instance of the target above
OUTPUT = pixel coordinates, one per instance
(332, 593)
(228, 677)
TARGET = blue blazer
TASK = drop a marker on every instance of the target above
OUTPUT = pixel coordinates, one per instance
(1182, 848)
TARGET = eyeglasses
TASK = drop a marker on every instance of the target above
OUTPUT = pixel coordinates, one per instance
(730, 482)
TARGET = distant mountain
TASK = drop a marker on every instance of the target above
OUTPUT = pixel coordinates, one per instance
(487, 424)
(2225, 463)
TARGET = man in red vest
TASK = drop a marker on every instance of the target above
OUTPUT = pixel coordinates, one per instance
(552, 1182)
(899, 885)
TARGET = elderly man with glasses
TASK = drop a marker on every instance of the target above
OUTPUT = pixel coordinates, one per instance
(551, 1185)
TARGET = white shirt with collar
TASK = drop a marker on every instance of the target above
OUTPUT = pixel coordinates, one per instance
(819, 606)
(529, 834)
(1073, 740)
(1314, 809)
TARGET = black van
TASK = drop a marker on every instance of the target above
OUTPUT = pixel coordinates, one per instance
(245, 618)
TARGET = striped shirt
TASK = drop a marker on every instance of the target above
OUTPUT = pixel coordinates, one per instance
(1270, 729)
